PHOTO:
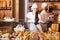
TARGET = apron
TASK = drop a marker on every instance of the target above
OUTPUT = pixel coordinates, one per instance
(32, 27)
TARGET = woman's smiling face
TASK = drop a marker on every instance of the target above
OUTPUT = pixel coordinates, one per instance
(34, 9)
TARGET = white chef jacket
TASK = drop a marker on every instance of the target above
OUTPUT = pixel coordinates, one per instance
(43, 17)
(31, 26)
(31, 17)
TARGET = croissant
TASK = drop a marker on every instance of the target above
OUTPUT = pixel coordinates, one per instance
(26, 36)
(7, 35)
(34, 36)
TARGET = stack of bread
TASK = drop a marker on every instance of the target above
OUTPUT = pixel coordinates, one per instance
(26, 35)
(54, 28)
(34, 36)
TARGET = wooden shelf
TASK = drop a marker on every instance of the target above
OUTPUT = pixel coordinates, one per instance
(44, 0)
(5, 5)
(5, 9)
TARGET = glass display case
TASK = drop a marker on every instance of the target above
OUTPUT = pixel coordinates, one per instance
(18, 30)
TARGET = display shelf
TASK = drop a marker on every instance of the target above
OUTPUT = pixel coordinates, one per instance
(5, 4)
(44, 0)
(5, 9)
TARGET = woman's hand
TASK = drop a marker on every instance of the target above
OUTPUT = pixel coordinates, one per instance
(51, 16)
(48, 18)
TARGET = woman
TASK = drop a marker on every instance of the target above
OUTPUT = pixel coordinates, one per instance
(31, 18)
(44, 16)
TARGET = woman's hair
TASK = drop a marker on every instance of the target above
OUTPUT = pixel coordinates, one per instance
(29, 9)
(36, 18)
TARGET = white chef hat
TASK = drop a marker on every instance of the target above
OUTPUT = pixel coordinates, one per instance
(44, 5)
(34, 5)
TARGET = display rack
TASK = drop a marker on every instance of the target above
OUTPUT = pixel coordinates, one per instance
(6, 10)
(5, 5)
(44, 0)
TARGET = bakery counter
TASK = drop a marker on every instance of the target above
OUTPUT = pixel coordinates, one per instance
(19, 32)
(30, 36)
(6, 26)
